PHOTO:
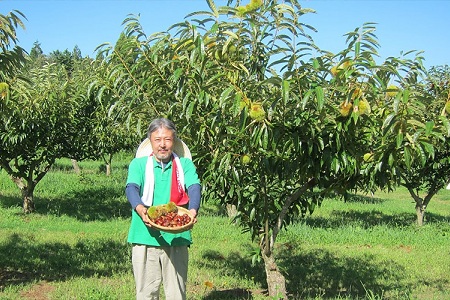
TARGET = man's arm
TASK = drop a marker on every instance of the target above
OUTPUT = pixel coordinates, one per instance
(132, 191)
(194, 192)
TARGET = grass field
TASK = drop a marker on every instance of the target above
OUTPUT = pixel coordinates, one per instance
(74, 246)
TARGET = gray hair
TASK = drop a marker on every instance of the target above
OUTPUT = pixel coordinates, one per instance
(161, 123)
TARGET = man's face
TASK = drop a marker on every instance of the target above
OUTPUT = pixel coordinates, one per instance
(162, 144)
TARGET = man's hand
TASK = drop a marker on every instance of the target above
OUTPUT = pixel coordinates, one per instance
(142, 212)
(194, 215)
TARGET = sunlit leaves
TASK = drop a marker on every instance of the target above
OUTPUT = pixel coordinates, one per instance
(12, 56)
(8, 26)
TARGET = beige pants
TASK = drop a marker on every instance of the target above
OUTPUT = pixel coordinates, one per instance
(153, 265)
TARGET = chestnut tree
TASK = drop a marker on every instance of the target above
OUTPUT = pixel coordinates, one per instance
(275, 124)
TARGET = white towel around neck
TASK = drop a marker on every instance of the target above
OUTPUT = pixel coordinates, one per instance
(149, 184)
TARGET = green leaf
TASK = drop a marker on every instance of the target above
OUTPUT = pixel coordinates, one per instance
(265, 137)
(214, 27)
(429, 127)
(388, 122)
(316, 64)
(422, 156)
(285, 91)
(405, 95)
(320, 97)
(428, 148)
(190, 110)
(407, 157)
(397, 103)
(446, 123)
(357, 48)
(243, 68)
(306, 98)
(391, 159)
(399, 140)
(335, 165)
(212, 6)
(252, 214)
(231, 34)
(416, 123)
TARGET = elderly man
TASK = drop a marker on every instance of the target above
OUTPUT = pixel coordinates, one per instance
(155, 179)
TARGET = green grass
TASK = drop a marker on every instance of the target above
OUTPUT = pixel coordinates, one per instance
(74, 246)
(371, 244)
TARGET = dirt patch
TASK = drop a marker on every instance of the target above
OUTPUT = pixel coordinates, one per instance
(39, 291)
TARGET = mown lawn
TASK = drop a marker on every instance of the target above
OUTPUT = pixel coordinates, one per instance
(74, 246)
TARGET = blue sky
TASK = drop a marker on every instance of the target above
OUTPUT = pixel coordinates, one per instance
(401, 25)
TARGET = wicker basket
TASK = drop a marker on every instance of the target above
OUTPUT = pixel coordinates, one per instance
(181, 211)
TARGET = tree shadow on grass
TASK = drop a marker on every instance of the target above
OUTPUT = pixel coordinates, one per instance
(356, 198)
(23, 261)
(376, 217)
(229, 294)
(9, 201)
(368, 219)
(309, 275)
(319, 273)
(236, 266)
(94, 203)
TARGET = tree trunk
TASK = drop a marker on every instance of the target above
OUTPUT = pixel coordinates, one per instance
(28, 203)
(420, 212)
(75, 166)
(27, 190)
(108, 163)
(422, 203)
(231, 210)
(276, 282)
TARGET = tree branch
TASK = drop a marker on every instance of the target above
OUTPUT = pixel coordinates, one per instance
(310, 183)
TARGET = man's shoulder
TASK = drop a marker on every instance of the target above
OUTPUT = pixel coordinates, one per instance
(186, 160)
(187, 163)
(139, 160)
